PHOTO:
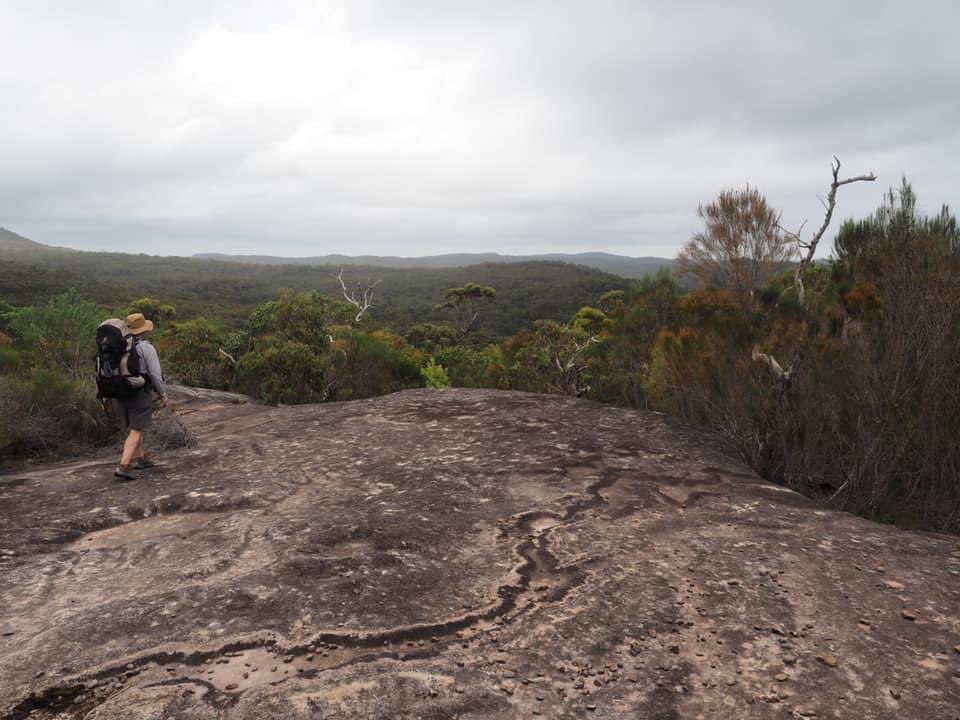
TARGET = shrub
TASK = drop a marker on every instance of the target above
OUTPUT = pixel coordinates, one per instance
(434, 375)
(283, 371)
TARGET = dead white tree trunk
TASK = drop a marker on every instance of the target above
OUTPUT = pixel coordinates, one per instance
(771, 362)
(807, 248)
(361, 298)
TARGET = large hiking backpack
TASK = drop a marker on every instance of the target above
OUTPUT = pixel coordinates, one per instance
(118, 362)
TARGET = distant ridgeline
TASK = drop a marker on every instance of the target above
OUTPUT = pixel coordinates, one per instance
(528, 289)
(627, 267)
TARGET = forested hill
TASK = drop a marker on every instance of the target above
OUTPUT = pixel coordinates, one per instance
(10, 242)
(622, 265)
(526, 291)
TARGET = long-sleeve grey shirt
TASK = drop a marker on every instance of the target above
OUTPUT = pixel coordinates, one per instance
(150, 365)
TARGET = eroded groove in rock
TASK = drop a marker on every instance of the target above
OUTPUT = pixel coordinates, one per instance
(539, 580)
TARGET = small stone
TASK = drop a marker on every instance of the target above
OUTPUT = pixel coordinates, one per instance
(232, 686)
(828, 660)
(789, 660)
(591, 707)
(908, 614)
(895, 694)
(781, 677)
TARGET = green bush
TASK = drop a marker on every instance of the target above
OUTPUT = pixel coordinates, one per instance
(434, 375)
(370, 364)
(282, 371)
(191, 355)
(465, 366)
(58, 335)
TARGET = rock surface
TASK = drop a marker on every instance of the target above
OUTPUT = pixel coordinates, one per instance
(459, 554)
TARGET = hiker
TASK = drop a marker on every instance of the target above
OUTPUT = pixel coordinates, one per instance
(136, 411)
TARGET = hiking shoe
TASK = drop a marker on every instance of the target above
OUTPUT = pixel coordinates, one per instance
(124, 473)
(143, 464)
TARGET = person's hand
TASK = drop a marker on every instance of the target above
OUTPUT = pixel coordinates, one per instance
(163, 401)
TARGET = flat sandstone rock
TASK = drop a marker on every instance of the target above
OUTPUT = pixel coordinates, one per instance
(459, 554)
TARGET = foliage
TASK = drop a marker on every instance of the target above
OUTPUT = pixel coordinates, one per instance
(855, 395)
(298, 317)
(58, 335)
(158, 312)
(551, 359)
(366, 364)
(434, 375)
(47, 396)
(191, 352)
(285, 371)
(466, 303)
(741, 244)
(430, 337)
(468, 366)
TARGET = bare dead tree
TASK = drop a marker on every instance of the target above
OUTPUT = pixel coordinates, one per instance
(807, 248)
(361, 298)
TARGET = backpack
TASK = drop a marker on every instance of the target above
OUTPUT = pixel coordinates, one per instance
(118, 362)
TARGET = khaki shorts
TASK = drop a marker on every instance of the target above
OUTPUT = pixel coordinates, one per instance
(136, 413)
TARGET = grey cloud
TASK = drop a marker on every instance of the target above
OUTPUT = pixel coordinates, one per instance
(458, 126)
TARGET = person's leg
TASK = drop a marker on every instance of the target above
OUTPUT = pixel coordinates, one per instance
(140, 453)
(134, 440)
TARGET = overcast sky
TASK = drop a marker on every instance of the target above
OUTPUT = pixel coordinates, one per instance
(410, 127)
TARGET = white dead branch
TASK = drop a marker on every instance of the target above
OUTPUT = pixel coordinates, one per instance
(361, 298)
(807, 248)
(771, 362)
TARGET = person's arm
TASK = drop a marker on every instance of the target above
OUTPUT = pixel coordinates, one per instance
(149, 354)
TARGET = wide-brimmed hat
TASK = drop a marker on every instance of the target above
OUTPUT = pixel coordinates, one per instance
(139, 324)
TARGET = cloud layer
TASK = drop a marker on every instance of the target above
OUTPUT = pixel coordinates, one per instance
(422, 127)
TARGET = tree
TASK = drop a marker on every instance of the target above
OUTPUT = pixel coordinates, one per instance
(466, 303)
(807, 248)
(741, 246)
(361, 298)
(158, 312)
(298, 317)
